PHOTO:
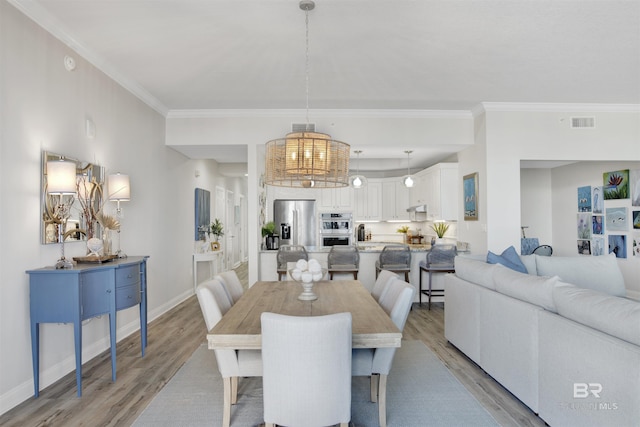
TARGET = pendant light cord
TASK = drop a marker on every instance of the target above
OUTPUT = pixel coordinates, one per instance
(306, 70)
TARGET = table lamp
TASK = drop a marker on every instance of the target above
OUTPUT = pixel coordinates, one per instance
(119, 190)
(61, 182)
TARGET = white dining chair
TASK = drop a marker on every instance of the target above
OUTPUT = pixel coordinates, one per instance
(232, 284)
(232, 364)
(307, 369)
(383, 279)
(376, 362)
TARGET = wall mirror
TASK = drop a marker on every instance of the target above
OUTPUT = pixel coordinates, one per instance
(86, 205)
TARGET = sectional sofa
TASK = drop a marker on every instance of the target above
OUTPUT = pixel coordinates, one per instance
(562, 337)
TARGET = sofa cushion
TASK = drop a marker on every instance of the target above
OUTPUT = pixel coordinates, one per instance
(600, 273)
(615, 316)
(536, 290)
(529, 262)
(475, 271)
(509, 258)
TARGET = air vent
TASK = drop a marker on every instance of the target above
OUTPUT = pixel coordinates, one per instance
(303, 127)
(583, 122)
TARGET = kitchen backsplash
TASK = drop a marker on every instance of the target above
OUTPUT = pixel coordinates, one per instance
(387, 231)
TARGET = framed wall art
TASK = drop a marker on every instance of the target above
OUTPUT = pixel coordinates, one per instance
(470, 202)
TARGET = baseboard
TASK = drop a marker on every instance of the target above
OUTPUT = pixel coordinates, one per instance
(24, 391)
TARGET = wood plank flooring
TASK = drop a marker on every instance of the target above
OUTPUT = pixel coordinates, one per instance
(174, 337)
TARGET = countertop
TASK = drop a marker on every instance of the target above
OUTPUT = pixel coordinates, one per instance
(368, 246)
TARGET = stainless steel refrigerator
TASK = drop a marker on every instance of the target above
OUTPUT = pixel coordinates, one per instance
(296, 221)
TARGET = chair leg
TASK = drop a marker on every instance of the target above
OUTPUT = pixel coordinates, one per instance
(234, 390)
(355, 275)
(382, 401)
(374, 387)
(344, 424)
(269, 425)
(406, 276)
(226, 410)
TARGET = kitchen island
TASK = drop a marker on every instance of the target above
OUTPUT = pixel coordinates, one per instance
(369, 254)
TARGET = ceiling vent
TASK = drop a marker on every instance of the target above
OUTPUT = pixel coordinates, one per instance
(303, 127)
(583, 122)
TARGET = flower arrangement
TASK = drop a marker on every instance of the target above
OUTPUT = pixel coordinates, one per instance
(216, 228)
(404, 229)
(440, 228)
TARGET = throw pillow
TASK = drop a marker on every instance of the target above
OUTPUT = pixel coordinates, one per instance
(600, 273)
(509, 258)
(536, 290)
(615, 316)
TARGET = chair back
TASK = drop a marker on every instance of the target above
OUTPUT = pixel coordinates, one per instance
(395, 256)
(343, 257)
(306, 369)
(232, 284)
(216, 305)
(290, 253)
(402, 295)
(441, 256)
(384, 278)
(543, 250)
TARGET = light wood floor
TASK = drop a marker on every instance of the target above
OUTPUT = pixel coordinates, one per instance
(175, 336)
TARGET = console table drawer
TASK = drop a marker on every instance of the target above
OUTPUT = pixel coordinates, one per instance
(126, 276)
(127, 296)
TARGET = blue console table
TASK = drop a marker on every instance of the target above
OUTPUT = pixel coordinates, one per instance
(86, 291)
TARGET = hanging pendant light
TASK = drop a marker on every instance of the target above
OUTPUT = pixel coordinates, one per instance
(408, 180)
(357, 180)
(307, 159)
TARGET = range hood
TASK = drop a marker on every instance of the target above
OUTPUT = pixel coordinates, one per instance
(418, 208)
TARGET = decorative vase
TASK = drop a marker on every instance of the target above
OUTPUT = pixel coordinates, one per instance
(94, 246)
(106, 242)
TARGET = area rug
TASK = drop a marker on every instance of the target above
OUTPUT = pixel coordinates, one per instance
(420, 391)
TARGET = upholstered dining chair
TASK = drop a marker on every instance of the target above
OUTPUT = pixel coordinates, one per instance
(232, 284)
(307, 369)
(232, 364)
(381, 283)
(343, 259)
(396, 258)
(287, 254)
(376, 362)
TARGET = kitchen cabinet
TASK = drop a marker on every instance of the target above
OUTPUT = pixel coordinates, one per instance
(395, 200)
(336, 199)
(437, 187)
(368, 201)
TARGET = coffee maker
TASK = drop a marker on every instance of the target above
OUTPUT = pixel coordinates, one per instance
(361, 233)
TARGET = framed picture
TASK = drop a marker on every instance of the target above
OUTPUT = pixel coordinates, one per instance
(215, 246)
(470, 202)
(616, 184)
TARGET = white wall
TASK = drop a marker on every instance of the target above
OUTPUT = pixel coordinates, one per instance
(43, 107)
(535, 204)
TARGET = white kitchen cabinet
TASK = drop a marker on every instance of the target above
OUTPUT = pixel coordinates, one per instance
(336, 199)
(440, 183)
(395, 200)
(368, 201)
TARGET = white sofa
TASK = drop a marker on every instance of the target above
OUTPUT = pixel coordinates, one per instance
(563, 338)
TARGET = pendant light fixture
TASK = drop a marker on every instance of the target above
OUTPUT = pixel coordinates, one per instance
(307, 159)
(357, 180)
(408, 180)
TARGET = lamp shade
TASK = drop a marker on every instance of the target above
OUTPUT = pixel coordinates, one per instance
(61, 177)
(307, 159)
(118, 188)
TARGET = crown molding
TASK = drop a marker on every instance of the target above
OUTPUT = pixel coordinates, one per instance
(232, 113)
(41, 17)
(555, 108)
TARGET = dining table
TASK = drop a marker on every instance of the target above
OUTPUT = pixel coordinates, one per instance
(240, 326)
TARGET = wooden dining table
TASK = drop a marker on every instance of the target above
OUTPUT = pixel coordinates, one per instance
(240, 327)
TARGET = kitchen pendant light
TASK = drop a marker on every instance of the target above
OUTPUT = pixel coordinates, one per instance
(307, 159)
(408, 180)
(357, 180)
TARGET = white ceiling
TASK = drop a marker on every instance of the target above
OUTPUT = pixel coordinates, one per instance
(375, 54)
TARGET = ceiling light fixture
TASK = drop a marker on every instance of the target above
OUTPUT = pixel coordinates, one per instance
(307, 159)
(408, 180)
(357, 180)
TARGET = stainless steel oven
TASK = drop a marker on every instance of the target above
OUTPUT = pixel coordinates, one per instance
(336, 229)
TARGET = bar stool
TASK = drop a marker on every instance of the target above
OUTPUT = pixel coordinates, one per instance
(440, 259)
(289, 253)
(343, 259)
(396, 258)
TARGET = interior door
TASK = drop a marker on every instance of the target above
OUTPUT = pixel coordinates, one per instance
(231, 240)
